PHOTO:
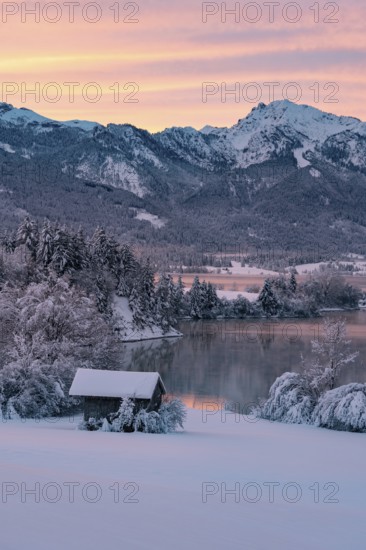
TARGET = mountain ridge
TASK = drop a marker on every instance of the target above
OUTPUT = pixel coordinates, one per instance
(235, 179)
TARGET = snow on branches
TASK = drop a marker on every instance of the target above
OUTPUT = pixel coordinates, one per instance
(168, 418)
(312, 396)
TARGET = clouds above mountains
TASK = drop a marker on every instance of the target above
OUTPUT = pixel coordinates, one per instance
(167, 49)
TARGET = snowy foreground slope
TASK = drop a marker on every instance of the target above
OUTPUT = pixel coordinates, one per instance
(166, 473)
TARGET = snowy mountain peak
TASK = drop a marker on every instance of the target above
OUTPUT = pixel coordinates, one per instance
(279, 128)
(23, 116)
(13, 115)
(313, 122)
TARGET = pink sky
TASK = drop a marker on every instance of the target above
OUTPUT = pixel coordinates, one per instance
(169, 52)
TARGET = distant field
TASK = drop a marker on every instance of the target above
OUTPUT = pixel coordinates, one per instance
(241, 282)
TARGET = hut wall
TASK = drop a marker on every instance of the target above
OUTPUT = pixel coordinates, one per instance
(155, 401)
(99, 407)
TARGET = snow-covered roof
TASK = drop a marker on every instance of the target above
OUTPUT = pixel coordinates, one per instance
(108, 383)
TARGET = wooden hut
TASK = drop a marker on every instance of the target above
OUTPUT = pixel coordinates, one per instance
(103, 390)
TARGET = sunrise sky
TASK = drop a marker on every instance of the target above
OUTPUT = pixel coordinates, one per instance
(169, 52)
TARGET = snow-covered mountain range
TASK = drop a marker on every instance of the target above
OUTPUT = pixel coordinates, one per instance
(124, 156)
(245, 165)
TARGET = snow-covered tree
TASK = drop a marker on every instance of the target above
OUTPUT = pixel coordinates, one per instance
(331, 354)
(178, 297)
(290, 400)
(45, 245)
(126, 271)
(27, 235)
(268, 300)
(173, 413)
(32, 389)
(342, 408)
(56, 328)
(210, 300)
(195, 299)
(9, 242)
(165, 302)
(292, 283)
(280, 285)
(62, 257)
(105, 250)
(142, 298)
(241, 307)
(147, 422)
(80, 255)
(122, 421)
(169, 418)
(328, 289)
(102, 294)
(311, 397)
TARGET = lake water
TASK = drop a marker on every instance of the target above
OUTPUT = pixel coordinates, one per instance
(237, 361)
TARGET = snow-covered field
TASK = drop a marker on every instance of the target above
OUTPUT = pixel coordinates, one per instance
(298, 487)
(238, 269)
(303, 269)
(233, 294)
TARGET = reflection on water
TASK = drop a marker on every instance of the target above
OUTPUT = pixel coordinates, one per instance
(237, 361)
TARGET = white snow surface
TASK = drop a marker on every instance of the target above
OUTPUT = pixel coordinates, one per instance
(104, 383)
(238, 269)
(152, 218)
(12, 115)
(169, 473)
(315, 173)
(308, 268)
(6, 147)
(85, 125)
(301, 161)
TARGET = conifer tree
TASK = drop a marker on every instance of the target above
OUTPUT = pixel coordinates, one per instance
(212, 298)
(268, 299)
(126, 271)
(27, 234)
(293, 283)
(9, 242)
(165, 302)
(142, 298)
(45, 244)
(195, 299)
(178, 297)
(62, 258)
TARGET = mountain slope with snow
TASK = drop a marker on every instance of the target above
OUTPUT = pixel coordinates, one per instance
(280, 130)
(285, 174)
